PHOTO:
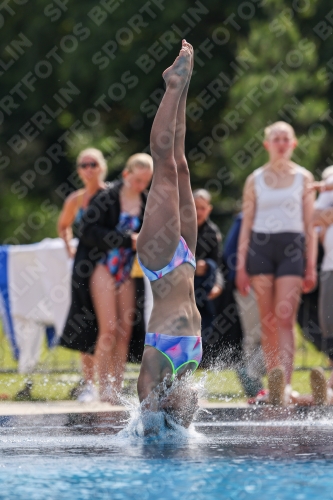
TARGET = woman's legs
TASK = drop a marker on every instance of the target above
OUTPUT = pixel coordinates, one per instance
(102, 287)
(125, 314)
(278, 301)
(326, 316)
(88, 392)
(286, 302)
(263, 286)
(115, 312)
(161, 229)
(87, 361)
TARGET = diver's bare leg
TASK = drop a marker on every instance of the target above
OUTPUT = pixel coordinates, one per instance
(161, 229)
(188, 219)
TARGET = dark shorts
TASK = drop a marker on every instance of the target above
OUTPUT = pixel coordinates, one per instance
(280, 254)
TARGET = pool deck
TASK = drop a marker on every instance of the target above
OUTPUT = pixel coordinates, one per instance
(71, 411)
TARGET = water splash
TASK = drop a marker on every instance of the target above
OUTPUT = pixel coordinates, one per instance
(165, 424)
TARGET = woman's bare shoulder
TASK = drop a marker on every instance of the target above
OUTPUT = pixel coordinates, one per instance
(256, 172)
(75, 196)
(249, 183)
(307, 175)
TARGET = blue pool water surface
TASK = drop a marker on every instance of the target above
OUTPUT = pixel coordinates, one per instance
(62, 457)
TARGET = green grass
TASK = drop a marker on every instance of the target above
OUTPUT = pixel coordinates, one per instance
(58, 372)
(45, 387)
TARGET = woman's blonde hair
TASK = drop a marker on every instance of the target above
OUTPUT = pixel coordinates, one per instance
(99, 157)
(141, 160)
(279, 126)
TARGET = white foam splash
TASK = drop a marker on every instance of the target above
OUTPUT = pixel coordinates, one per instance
(160, 426)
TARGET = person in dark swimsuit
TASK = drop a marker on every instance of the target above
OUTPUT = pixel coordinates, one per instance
(166, 247)
(92, 169)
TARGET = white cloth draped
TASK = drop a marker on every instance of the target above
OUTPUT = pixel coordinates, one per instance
(34, 296)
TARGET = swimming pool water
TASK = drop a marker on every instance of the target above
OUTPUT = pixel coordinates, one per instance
(229, 460)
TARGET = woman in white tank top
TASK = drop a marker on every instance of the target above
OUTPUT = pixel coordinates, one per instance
(277, 251)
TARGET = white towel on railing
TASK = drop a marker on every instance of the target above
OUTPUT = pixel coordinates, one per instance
(34, 296)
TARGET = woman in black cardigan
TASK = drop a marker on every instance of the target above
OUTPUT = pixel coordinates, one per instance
(101, 314)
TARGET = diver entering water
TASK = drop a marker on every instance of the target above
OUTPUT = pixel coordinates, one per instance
(166, 248)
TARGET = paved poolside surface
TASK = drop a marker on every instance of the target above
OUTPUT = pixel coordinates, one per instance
(72, 412)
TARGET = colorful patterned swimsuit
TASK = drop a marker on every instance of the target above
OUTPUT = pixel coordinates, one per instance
(119, 261)
(180, 351)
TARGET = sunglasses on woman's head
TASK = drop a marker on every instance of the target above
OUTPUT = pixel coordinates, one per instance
(91, 164)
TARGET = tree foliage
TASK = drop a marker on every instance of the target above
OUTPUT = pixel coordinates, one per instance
(75, 74)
